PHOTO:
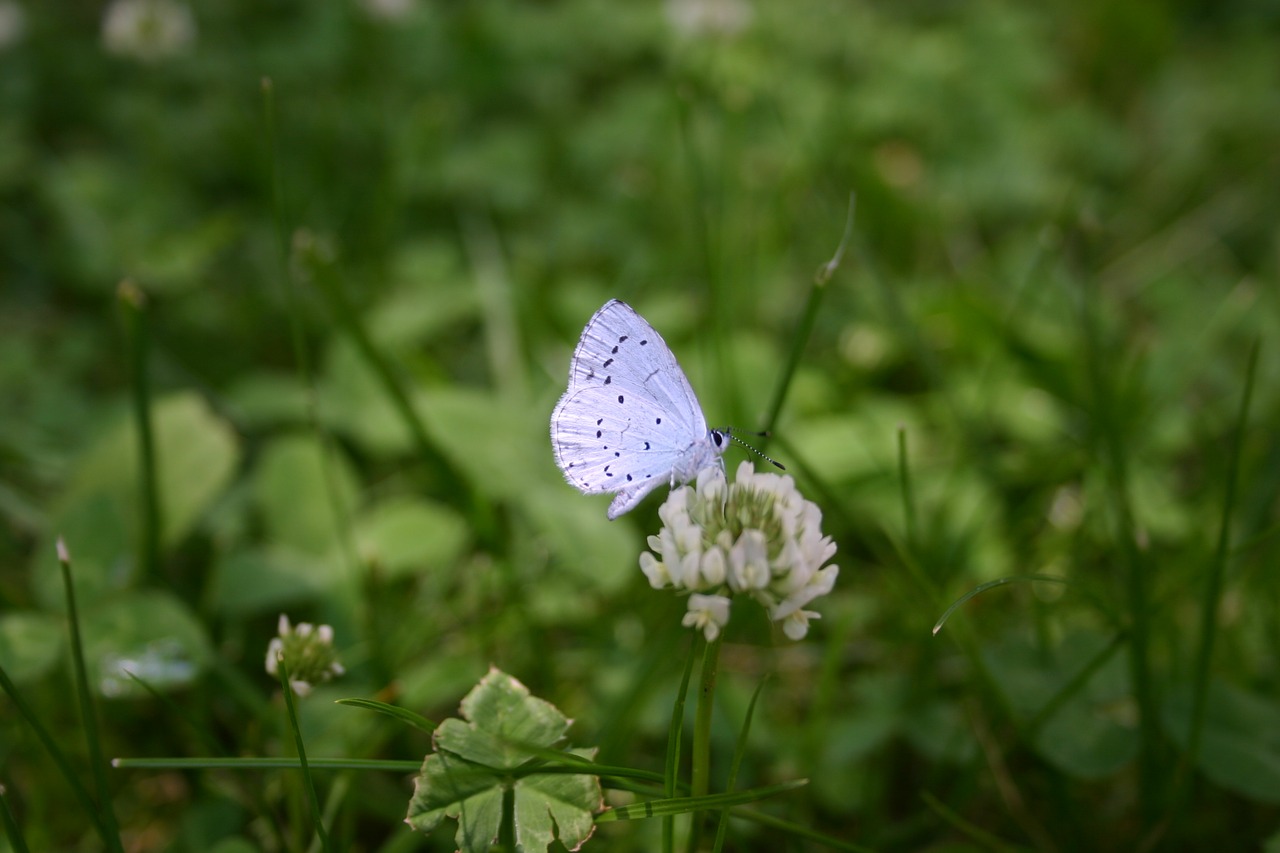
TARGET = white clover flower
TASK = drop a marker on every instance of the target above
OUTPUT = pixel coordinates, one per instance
(708, 614)
(308, 653)
(756, 536)
(148, 30)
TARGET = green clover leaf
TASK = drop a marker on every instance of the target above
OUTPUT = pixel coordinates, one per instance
(481, 759)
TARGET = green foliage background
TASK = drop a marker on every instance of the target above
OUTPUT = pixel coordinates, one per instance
(1066, 246)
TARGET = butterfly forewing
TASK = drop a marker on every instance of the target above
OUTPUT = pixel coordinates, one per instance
(620, 351)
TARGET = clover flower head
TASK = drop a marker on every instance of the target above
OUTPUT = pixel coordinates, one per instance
(756, 537)
(308, 653)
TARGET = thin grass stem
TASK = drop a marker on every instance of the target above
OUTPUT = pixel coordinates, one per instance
(739, 751)
(28, 714)
(672, 764)
(88, 712)
(804, 329)
(137, 328)
(17, 842)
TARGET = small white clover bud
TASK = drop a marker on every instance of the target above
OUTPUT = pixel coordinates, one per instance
(796, 625)
(654, 570)
(708, 614)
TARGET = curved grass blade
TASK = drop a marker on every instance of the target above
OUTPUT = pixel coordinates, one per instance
(404, 715)
(800, 339)
(671, 769)
(980, 836)
(981, 588)
(739, 750)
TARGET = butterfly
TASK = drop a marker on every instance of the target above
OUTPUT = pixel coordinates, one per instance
(629, 421)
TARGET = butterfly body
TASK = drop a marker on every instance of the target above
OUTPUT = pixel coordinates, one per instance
(629, 421)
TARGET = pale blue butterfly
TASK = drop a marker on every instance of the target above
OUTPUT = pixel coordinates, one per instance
(629, 421)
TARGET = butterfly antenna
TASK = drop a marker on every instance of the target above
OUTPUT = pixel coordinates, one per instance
(729, 432)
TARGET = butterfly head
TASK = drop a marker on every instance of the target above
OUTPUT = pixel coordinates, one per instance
(721, 438)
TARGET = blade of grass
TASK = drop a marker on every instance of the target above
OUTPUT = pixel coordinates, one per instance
(207, 740)
(804, 330)
(908, 497)
(59, 758)
(1217, 568)
(1073, 686)
(253, 793)
(306, 372)
(333, 803)
(17, 843)
(739, 751)
(700, 763)
(137, 333)
(671, 768)
(1209, 605)
(981, 588)
(797, 830)
(666, 808)
(976, 834)
(1110, 447)
(88, 712)
(348, 320)
(493, 285)
(404, 715)
(309, 782)
(206, 763)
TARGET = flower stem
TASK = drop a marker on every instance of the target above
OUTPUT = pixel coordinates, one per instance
(701, 767)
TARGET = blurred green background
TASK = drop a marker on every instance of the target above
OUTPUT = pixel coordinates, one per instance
(1065, 249)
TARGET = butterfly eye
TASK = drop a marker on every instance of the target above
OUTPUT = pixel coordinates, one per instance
(717, 437)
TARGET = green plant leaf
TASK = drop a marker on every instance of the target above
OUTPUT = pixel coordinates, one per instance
(94, 528)
(292, 490)
(196, 456)
(492, 442)
(30, 644)
(405, 535)
(1088, 736)
(1240, 742)
(476, 763)
(151, 635)
(257, 580)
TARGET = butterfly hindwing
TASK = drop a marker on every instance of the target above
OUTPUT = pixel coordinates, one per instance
(604, 446)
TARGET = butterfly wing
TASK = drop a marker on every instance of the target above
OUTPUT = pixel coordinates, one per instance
(629, 416)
